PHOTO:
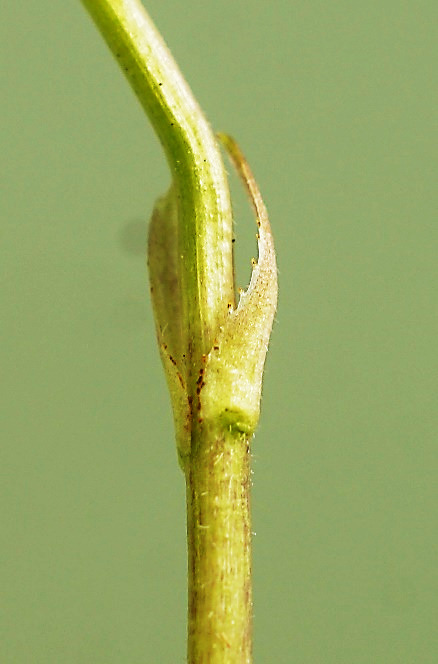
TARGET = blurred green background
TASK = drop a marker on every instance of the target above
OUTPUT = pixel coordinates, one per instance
(335, 105)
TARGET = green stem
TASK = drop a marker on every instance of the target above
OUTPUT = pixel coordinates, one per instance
(213, 352)
(194, 159)
(219, 545)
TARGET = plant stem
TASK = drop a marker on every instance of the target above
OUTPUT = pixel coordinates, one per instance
(194, 159)
(212, 351)
(219, 546)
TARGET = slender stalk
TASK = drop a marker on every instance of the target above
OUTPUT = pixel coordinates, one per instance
(213, 352)
(219, 546)
(194, 158)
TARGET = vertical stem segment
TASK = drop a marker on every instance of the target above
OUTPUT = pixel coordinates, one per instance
(219, 547)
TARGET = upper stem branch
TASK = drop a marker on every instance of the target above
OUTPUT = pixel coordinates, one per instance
(192, 152)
